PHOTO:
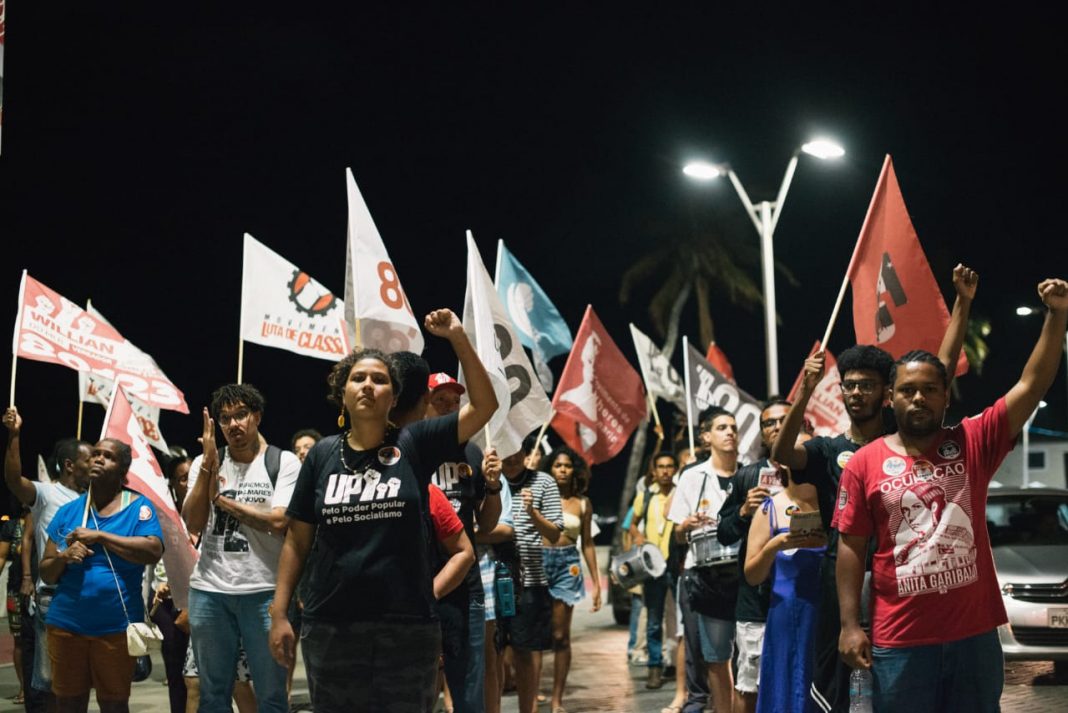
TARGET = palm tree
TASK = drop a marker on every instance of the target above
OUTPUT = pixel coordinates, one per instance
(678, 268)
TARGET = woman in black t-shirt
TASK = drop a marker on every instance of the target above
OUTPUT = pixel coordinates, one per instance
(358, 523)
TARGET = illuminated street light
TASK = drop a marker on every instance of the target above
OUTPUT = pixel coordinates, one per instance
(765, 216)
(1025, 311)
(702, 170)
(823, 149)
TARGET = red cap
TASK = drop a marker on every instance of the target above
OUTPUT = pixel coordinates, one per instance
(441, 380)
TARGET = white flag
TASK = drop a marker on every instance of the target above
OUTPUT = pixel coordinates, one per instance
(661, 379)
(98, 390)
(522, 403)
(375, 302)
(281, 306)
(146, 478)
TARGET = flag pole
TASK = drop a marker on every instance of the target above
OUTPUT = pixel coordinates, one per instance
(856, 251)
(689, 396)
(240, 359)
(489, 444)
(15, 338)
(88, 501)
(81, 408)
(344, 335)
(497, 270)
(544, 426)
(357, 335)
(652, 407)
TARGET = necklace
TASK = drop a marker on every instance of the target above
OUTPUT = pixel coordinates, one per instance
(342, 442)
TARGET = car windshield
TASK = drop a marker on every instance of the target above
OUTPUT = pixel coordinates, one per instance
(1027, 519)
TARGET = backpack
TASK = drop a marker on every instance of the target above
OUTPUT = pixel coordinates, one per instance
(272, 460)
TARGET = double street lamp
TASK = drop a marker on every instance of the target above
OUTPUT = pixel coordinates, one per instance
(765, 216)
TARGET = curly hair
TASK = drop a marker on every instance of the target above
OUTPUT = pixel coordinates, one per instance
(340, 373)
(580, 475)
(232, 394)
(864, 357)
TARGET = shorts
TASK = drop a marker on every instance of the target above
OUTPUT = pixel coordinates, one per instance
(717, 638)
(243, 673)
(487, 568)
(14, 614)
(531, 629)
(564, 571)
(750, 638)
(81, 662)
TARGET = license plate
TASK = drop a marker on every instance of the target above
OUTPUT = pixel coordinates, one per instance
(1058, 618)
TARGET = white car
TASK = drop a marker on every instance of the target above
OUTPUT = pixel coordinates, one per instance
(1029, 535)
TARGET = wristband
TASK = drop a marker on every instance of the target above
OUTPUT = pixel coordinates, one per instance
(494, 491)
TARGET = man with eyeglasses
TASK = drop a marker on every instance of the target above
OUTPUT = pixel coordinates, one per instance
(865, 373)
(750, 486)
(237, 503)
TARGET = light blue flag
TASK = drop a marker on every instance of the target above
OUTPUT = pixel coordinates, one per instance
(539, 324)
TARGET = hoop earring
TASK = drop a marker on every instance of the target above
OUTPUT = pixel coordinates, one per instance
(341, 418)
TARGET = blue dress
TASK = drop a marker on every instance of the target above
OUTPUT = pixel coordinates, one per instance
(786, 662)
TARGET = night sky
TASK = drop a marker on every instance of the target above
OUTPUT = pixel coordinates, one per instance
(139, 145)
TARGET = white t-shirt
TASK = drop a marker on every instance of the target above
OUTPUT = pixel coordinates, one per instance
(689, 492)
(50, 498)
(235, 559)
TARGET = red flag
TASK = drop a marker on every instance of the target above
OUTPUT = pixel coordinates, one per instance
(897, 305)
(146, 478)
(826, 411)
(599, 400)
(51, 328)
(719, 360)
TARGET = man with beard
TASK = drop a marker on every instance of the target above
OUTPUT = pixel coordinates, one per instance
(934, 628)
(700, 494)
(864, 371)
(751, 485)
(237, 501)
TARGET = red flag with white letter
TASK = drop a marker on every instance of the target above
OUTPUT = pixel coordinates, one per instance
(717, 358)
(897, 305)
(146, 477)
(599, 400)
(826, 411)
(51, 328)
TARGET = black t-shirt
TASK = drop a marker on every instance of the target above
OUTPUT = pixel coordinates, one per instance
(460, 478)
(370, 558)
(826, 459)
(753, 602)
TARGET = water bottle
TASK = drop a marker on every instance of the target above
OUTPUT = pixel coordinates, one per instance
(505, 592)
(860, 691)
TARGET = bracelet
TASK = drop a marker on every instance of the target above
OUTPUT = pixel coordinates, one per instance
(494, 491)
(217, 496)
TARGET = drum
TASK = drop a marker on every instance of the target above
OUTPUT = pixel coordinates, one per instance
(637, 565)
(706, 549)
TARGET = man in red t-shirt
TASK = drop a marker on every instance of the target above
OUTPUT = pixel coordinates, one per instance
(921, 493)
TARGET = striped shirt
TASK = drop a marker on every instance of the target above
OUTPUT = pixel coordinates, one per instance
(528, 540)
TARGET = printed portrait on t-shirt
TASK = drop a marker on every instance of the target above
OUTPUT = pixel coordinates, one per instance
(930, 514)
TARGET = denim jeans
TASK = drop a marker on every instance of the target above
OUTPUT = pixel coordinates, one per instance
(966, 676)
(466, 675)
(219, 624)
(42, 664)
(655, 592)
(635, 614)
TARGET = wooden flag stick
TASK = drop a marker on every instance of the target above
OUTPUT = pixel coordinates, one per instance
(14, 363)
(853, 259)
(359, 337)
(689, 395)
(81, 408)
(652, 407)
(489, 444)
(544, 426)
(240, 359)
(88, 500)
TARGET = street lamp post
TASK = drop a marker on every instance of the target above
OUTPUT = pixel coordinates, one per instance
(765, 216)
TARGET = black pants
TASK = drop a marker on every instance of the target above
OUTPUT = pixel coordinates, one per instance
(830, 675)
(175, 642)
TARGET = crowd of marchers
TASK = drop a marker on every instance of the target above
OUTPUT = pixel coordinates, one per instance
(407, 564)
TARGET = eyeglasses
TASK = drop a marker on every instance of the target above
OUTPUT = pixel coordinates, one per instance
(867, 386)
(769, 422)
(236, 417)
